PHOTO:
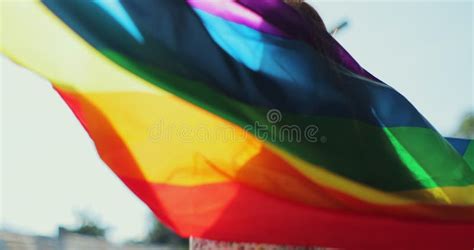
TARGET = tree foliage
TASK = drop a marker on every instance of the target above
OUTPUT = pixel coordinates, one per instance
(158, 233)
(89, 225)
(466, 128)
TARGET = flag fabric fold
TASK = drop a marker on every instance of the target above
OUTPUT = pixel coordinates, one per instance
(175, 95)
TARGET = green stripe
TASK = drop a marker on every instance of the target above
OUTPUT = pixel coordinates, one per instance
(469, 155)
(390, 159)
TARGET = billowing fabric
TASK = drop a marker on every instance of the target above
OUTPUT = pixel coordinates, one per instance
(174, 95)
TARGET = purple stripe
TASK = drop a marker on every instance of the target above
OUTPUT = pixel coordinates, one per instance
(235, 12)
(289, 20)
(277, 18)
(280, 15)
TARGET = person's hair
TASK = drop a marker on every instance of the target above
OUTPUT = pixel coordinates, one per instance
(308, 12)
(313, 19)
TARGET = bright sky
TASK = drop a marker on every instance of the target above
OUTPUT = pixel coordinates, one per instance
(50, 169)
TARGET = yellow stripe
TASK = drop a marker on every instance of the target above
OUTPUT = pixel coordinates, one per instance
(174, 142)
(455, 195)
(179, 144)
(33, 37)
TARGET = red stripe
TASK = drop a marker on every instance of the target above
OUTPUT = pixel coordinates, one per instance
(234, 212)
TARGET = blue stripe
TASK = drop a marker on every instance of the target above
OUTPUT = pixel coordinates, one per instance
(312, 84)
(237, 62)
(459, 144)
(116, 10)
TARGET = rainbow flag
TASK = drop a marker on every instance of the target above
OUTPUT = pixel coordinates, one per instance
(230, 123)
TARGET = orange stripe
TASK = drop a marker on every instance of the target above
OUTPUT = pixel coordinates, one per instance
(265, 171)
